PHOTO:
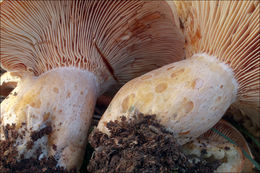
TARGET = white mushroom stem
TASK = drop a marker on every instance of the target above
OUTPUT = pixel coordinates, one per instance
(63, 98)
(188, 97)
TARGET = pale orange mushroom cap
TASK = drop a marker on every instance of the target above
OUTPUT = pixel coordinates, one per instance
(68, 53)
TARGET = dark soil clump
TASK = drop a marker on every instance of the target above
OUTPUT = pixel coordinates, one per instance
(141, 145)
(9, 154)
(37, 135)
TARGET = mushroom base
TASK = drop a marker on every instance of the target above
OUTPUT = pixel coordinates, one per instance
(141, 145)
(62, 99)
(9, 153)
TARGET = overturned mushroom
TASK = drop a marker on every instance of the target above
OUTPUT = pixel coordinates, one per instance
(213, 145)
(68, 53)
(189, 97)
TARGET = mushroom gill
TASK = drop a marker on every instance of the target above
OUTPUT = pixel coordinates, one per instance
(190, 96)
(69, 52)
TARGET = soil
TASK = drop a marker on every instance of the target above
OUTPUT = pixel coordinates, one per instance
(141, 145)
(9, 154)
(38, 134)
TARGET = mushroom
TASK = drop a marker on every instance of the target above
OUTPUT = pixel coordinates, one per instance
(235, 42)
(68, 53)
(190, 96)
(224, 143)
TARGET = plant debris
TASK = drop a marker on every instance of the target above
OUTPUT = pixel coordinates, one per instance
(141, 145)
(9, 154)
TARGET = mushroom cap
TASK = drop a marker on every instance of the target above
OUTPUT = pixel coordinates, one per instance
(113, 39)
(230, 31)
(217, 146)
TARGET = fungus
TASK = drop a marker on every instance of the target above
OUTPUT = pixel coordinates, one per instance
(68, 53)
(190, 96)
(212, 145)
(235, 42)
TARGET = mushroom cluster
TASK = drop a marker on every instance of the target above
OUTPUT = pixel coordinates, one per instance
(66, 54)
